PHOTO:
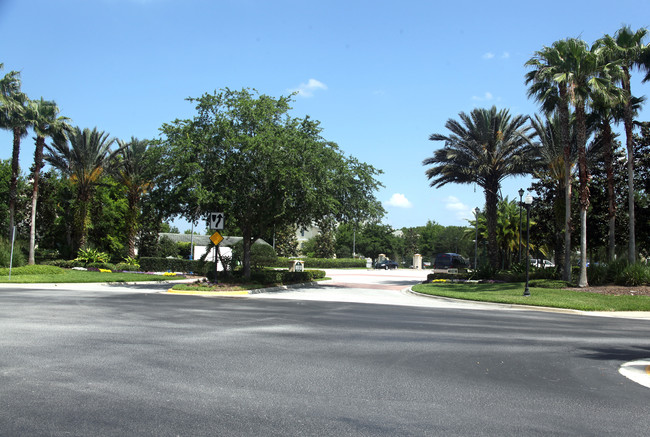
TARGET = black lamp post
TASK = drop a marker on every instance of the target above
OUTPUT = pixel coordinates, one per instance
(521, 194)
(476, 211)
(528, 201)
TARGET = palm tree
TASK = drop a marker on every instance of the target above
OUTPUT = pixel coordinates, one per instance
(582, 72)
(549, 64)
(626, 48)
(551, 169)
(132, 170)
(485, 147)
(13, 117)
(44, 118)
(84, 161)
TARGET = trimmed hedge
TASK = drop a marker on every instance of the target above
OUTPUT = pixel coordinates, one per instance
(269, 277)
(154, 264)
(323, 263)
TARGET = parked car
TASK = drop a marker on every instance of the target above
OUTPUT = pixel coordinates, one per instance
(543, 263)
(450, 261)
(386, 264)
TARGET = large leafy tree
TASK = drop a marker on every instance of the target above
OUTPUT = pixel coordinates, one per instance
(13, 117)
(484, 147)
(46, 122)
(82, 156)
(627, 50)
(244, 155)
(134, 171)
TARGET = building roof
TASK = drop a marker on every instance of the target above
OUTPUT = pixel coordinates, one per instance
(204, 240)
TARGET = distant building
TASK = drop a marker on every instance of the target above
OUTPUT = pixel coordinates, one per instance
(201, 243)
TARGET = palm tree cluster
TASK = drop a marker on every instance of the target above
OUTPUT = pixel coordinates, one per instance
(81, 155)
(582, 89)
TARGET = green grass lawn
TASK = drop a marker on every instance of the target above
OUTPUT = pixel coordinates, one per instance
(512, 293)
(59, 275)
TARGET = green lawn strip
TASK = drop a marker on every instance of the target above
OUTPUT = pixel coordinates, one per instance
(78, 276)
(512, 293)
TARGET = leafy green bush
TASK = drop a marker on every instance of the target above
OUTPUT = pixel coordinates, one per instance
(19, 258)
(599, 274)
(262, 255)
(633, 274)
(64, 263)
(91, 255)
(166, 247)
(105, 266)
(33, 270)
(125, 267)
(156, 264)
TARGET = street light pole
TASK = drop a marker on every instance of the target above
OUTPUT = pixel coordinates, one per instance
(476, 211)
(521, 194)
(528, 202)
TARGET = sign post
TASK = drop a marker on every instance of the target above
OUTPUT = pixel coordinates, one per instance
(216, 222)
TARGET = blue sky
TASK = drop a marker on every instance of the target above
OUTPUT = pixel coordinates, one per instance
(380, 76)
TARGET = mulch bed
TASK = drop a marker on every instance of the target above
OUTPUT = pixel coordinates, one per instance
(616, 290)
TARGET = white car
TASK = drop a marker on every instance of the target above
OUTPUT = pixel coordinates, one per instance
(543, 263)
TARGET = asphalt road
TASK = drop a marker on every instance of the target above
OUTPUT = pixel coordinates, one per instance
(77, 361)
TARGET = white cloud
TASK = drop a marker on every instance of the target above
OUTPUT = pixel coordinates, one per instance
(505, 55)
(399, 201)
(459, 209)
(487, 96)
(307, 89)
(488, 55)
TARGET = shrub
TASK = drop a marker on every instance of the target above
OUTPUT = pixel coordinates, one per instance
(262, 255)
(64, 263)
(33, 270)
(91, 255)
(156, 264)
(633, 274)
(166, 247)
(19, 258)
(127, 267)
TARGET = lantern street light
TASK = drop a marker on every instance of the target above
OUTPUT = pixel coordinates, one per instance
(521, 194)
(476, 211)
(528, 201)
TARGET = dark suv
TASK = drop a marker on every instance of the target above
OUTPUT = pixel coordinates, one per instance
(450, 261)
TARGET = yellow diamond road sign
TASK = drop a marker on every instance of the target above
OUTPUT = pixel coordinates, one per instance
(216, 238)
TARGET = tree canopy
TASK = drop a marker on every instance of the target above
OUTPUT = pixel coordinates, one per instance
(244, 155)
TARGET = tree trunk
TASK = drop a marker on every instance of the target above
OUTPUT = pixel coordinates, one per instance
(629, 141)
(491, 200)
(13, 184)
(611, 213)
(581, 133)
(246, 261)
(38, 164)
(131, 223)
(564, 137)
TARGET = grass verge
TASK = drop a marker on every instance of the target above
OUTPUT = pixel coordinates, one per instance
(512, 293)
(76, 276)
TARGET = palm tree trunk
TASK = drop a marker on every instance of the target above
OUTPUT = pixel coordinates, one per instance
(629, 141)
(131, 222)
(13, 184)
(581, 131)
(564, 137)
(38, 164)
(491, 200)
(611, 213)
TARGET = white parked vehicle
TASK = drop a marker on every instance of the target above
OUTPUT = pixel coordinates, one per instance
(543, 263)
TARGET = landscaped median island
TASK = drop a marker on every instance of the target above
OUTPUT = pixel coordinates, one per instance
(588, 299)
(52, 274)
(235, 284)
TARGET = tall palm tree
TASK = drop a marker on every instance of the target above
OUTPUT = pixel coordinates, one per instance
(133, 171)
(547, 65)
(83, 160)
(626, 48)
(583, 73)
(44, 118)
(13, 106)
(485, 147)
(552, 169)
